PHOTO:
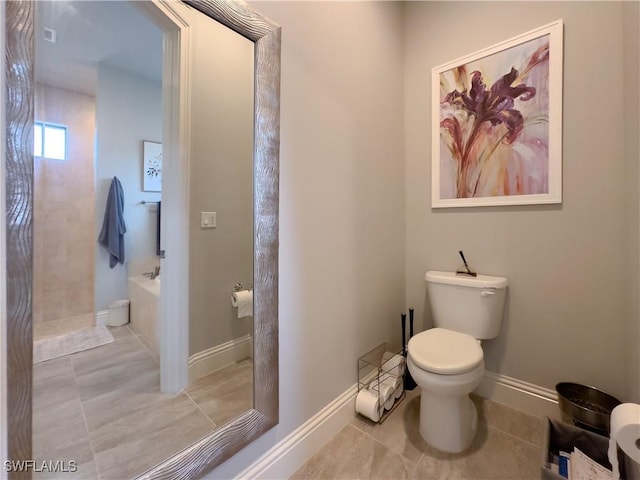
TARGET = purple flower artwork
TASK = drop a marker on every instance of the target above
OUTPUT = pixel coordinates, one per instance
(494, 127)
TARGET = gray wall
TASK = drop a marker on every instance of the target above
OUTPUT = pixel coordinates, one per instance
(221, 166)
(355, 198)
(341, 201)
(566, 263)
(128, 111)
(631, 51)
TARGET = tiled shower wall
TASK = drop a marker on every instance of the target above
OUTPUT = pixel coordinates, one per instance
(64, 219)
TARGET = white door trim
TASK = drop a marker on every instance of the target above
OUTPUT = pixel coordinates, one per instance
(174, 299)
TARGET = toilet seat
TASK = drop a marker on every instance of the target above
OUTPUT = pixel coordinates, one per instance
(445, 352)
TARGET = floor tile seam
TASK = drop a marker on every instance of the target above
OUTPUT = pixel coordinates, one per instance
(387, 449)
(221, 383)
(232, 378)
(107, 370)
(512, 435)
(198, 407)
(416, 464)
(378, 441)
(354, 424)
(146, 349)
(84, 419)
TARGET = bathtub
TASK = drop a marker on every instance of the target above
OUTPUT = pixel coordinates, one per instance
(144, 294)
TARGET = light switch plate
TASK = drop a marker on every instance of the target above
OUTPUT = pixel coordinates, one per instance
(208, 219)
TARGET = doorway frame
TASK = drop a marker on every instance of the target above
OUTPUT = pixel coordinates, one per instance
(174, 294)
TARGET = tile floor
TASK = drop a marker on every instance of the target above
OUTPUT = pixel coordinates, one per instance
(103, 409)
(507, 446)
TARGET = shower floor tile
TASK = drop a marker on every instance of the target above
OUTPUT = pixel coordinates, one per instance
(53, 328)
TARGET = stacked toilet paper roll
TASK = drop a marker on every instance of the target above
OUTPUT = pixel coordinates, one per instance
(393, 364)
(384, 389)
(624, 433)
(383, 386)
(368, 404)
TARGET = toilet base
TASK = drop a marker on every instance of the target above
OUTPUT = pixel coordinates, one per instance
(448, 423)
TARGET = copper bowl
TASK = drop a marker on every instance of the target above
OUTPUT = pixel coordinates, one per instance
(586, 405)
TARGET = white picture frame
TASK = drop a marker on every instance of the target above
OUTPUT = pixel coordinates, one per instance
(497, 124)
(151, 166)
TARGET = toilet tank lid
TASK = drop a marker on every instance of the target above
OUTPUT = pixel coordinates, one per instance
(451, 278)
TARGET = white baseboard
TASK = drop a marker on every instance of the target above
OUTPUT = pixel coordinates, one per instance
(519, 395)
(287, 456)
(102, 318)
(206, 361)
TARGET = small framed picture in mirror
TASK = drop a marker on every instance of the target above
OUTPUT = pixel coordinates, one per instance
(151, 166)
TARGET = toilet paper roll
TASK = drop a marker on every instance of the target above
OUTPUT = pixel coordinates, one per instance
(243, 300)
(389, 403)
(393, 364)
(383, 388)
(397, 382)
(391, 381)
(387, 355)
(613, 458)
(625, 429)
(391, 385)
(399, 391)
(367, 404)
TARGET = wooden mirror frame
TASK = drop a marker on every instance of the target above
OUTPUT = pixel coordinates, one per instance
(207, 453)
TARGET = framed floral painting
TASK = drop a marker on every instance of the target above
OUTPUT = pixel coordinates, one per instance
(151, 167)
(497, 124)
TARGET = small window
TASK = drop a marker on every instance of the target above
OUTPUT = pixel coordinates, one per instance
(50, 141)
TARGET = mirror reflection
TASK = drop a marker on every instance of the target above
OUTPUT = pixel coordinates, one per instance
(98, 212)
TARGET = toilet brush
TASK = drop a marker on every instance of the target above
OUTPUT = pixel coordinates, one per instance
(410, 323)
(409, 382)
(403, 320)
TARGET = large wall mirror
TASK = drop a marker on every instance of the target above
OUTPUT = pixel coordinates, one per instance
(186, 374)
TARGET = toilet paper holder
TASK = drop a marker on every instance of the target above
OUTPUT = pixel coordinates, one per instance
(237, 287)
(381, 377)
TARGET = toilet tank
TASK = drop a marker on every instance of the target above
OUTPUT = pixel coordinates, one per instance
(471, 305)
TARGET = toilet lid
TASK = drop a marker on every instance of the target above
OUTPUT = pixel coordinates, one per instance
(444, 351)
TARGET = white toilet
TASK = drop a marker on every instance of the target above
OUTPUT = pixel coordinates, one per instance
(447, 361)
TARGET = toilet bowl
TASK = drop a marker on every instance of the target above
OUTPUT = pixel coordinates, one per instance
(447, 362)
(447, 366)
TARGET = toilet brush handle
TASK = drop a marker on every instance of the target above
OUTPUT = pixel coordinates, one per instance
(410, 322)
(404, 333)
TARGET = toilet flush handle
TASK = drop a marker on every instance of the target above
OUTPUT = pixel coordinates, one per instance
(485, 293)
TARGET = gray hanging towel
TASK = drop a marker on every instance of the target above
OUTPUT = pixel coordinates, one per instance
(113, 227)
